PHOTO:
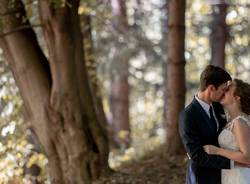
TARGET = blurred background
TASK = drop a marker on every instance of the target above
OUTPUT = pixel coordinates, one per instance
(128, 51)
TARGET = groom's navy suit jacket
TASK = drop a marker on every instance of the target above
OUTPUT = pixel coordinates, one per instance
(196, 131)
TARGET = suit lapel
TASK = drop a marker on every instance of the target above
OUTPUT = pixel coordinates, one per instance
(203, 114)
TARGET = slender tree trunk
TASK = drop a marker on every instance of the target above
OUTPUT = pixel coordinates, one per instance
(93, 76)
(219, 34)
(56, 91)
(164, 44)
(119, 98)
(120, 113)
(175, 74)
(92, 68)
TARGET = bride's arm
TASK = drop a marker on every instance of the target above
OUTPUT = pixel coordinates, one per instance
(242, 134)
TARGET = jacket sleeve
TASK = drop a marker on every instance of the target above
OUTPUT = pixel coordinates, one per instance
(194, 147)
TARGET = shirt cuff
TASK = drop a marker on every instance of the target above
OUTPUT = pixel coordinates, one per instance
(231, 164)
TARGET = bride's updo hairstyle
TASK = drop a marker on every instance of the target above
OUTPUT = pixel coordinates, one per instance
(243, 91)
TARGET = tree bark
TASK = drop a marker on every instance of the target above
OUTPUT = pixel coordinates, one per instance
(175, 84)
(219, 34)
(119, 98)
(56, 91)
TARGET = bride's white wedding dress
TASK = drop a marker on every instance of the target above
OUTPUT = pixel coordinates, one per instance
(237, 175)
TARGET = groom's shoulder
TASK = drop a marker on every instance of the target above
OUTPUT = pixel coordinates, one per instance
(189, 109)
(188, 114)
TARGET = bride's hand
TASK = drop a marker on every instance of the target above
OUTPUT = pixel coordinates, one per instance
(210, 149)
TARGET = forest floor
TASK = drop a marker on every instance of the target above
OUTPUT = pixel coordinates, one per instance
(152, 168)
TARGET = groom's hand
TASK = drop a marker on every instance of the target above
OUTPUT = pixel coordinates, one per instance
(241, 164)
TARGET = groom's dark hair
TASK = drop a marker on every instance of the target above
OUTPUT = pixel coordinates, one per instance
(213, 75)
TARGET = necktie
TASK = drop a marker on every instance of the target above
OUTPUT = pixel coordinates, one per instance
(213, 123)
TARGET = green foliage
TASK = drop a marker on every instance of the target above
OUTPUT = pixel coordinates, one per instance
(12, 145)
(141, 46)
(237, 49)
(16, 152)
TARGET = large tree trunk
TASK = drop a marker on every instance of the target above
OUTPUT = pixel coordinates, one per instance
(175, 83)
(119, 97)
(219, 34)
(56, 92)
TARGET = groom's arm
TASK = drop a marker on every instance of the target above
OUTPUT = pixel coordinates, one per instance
(194, 147)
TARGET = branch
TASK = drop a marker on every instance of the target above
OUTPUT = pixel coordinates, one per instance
(19, 28)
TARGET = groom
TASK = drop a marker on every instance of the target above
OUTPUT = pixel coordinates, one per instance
(200, 124)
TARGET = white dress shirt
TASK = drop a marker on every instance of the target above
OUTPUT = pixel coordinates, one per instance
(206, 107)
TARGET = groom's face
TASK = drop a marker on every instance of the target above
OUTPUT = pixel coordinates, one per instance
(218, 94)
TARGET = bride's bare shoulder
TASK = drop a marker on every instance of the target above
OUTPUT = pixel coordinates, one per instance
(241, 124)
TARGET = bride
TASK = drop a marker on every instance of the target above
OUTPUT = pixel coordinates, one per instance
(234, 140)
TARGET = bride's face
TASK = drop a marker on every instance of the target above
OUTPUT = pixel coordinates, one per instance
(229, 97)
